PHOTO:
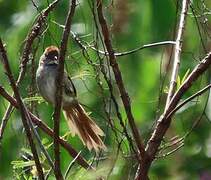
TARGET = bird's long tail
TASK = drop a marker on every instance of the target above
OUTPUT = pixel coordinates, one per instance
(82, 125)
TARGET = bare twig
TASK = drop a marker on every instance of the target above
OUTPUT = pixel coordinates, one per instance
(36, 135)
(171, 152)
(59, 85)
(177, 51)
(22, 110)
(189, 99)
(32, 86)
(47, 130)
(163, 43)
(33, 33)
(5, 120)
(71, 165)
(119, 81)
(173, 142)
(79, 42)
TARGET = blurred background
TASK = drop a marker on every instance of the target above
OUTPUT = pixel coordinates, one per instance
(146, 74)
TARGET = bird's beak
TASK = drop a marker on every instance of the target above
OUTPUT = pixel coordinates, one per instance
(53, 61)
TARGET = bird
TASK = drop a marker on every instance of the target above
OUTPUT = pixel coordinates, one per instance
(79, 122)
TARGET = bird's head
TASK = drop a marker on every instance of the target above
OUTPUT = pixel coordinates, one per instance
(50, 56)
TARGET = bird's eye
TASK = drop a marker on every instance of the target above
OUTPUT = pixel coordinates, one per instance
(55, 57)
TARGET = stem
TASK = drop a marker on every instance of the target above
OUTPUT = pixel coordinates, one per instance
(59, 89)
(177, 51)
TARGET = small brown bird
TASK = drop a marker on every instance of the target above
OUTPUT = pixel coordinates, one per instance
(78, 120)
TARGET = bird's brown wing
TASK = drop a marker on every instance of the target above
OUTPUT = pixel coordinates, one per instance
(69, 87)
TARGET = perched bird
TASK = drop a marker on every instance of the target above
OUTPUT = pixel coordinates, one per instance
(77, 119)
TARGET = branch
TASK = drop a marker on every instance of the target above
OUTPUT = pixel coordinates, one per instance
(189, 99)
(39, 142)
(119, 54)
(22, 109)
(32, 35)
(171, 152)
(47, 130)
(165, 119)
(59, 85)
(119, 80)
(84, 47)
(177, 51)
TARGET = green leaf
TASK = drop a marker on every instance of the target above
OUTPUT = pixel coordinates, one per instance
(185, 76)
(39, 99)
(178, 82)
(22, 164)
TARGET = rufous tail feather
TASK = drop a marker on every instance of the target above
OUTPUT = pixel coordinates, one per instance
(82, 125)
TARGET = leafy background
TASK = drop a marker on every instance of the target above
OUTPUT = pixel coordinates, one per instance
(145, 73)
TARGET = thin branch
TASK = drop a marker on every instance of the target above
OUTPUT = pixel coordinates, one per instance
(5, 120)
(170, 152)
(59, 85)
(173, 142)
(22, 109)
(71, 165)
(177, 51)
(36, 135)
(32, 106)
(165, 120)
(47, 130)
(189, 99)
(162, 43)
(84, 47)
(32, 35)
(119, 80)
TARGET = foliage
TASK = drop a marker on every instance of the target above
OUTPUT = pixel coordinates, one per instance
(146, 73)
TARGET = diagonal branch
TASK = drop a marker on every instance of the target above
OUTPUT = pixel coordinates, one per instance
(165, 119)
(47, 130)
(22, 109)
(177, 51)
(189, 99)
(32, 35)
(119, 80)
(59, 85)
